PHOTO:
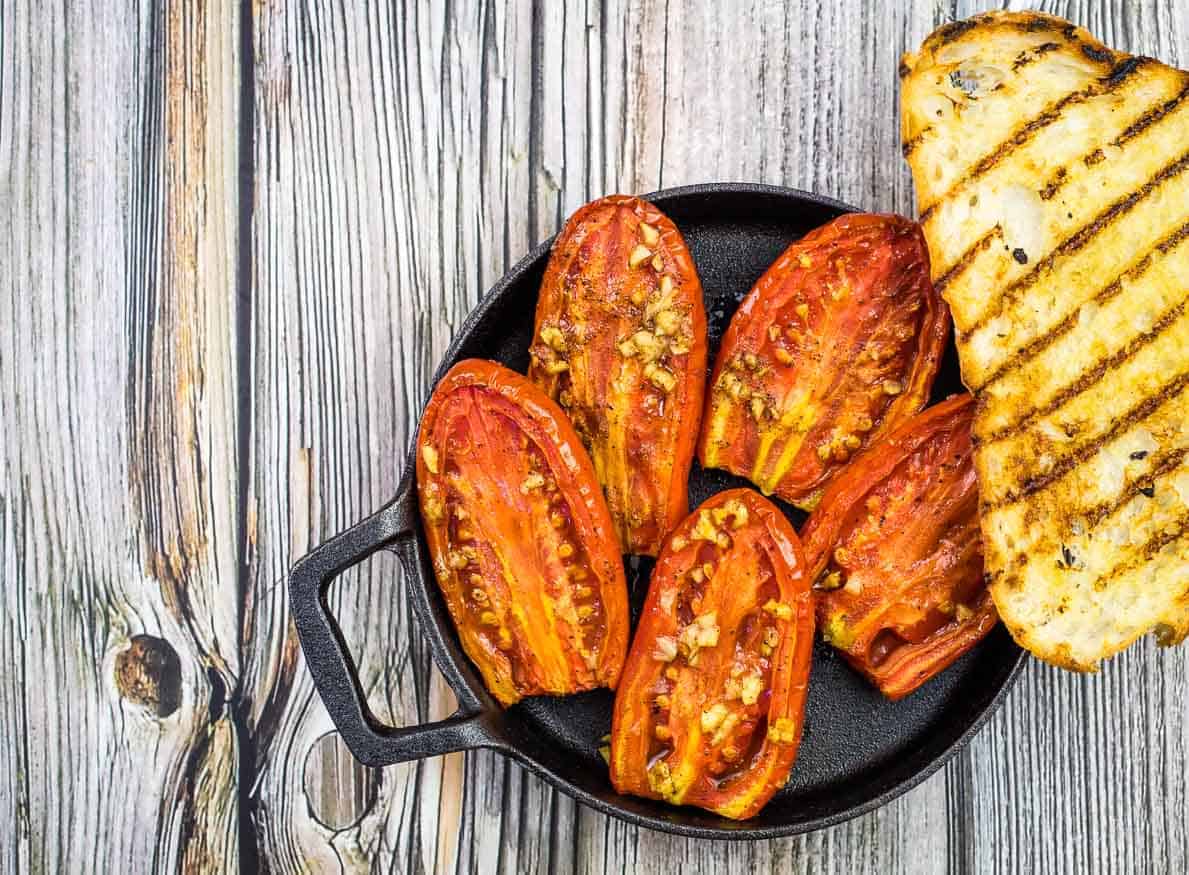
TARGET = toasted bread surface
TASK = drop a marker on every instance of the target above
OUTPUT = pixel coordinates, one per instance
(1051, 182)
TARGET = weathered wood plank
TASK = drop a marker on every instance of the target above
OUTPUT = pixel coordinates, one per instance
(453, 139)
(340, 359)
(1086, 774)
(119, 629)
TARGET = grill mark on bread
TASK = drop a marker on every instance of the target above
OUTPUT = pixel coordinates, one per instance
(910, 146)
(1054, 184)
(1127, 66)
(1084, 451)
(1021, 136)
(1053, 113)
(947, 33)
(1172, 531)
(1080, 238)
(1163, 464)
(1026, 22)
(1042, 342)
(1152, 116)
(1024, 58)
(1090, 376)
(1036, 23)
(967, 258)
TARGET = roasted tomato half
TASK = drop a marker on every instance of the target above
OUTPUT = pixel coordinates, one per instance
(620, 344)
(837, 343)
(521, 541)
(709, 709)
(895, 551)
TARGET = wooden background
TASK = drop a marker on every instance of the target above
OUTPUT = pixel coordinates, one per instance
(236, 241)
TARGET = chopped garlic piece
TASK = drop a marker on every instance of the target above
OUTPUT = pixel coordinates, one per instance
(660, 780)
(707, 626)
(704, 529)
(783, 731)
(833, 580)
(435, 509)
(727, 727)
(639, 255)
(531, 482)
(645, 341)
(430, 456)
(663, 379)
(552, 336)
(778, 609)
(750, 691)
(668, 322)
(666, 649)
(713, 717)
(708, 637)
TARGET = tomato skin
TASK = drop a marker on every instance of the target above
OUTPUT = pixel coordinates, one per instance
(521, 541)
(837, 343)
(900, 529)
(620, 343)
(710, 713)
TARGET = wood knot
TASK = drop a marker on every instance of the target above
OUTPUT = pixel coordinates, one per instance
(149, 673)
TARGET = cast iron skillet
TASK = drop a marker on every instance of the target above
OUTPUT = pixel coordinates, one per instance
(858, 751)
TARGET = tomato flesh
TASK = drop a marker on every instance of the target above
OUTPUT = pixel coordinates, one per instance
(709, 710)
(620, 344)
(895, 552)
(521, 541)
(838, 342)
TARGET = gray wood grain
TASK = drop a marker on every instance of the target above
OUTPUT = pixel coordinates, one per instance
(488, 124)
(176, 435)
(119, 626)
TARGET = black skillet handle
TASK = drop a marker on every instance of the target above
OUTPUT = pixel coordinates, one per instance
(330, 663)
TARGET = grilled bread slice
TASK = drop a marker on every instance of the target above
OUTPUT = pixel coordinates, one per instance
(1052, 185)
